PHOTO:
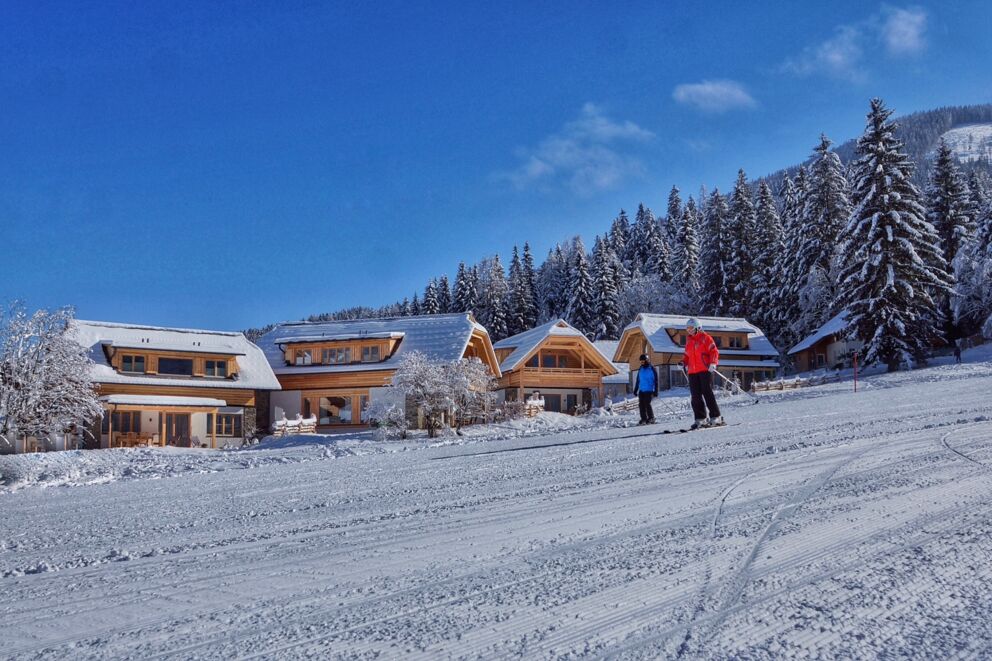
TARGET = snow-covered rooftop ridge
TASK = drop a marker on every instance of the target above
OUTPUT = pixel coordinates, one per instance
(835, 325)
(438, 336)
(253, 371)
(656, 326)
(328, 337)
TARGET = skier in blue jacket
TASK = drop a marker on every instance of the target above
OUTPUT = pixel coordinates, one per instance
(646, 387)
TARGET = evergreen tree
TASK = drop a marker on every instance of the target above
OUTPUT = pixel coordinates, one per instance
(674, 220)
(515, 307)
(713, 255)
(686, 261)
(495, 301)
(430, 304)
(581, 303)
(529, 312)
(739, 232)
(770, 254)
(552, 285)
(466, 296)
(415, 308)
(893, 262)
(949, 210)
(650, 252)
(444, 295)
(607, 293)
(621, 238)
(405, 309)
(973, 265)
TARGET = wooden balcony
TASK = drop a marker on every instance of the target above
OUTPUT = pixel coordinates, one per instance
(566, 371)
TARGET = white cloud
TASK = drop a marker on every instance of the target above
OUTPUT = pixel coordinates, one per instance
(714, 95)
(903, 31)
(588, 154)
(900, 31)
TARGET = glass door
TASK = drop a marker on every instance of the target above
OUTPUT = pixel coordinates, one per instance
(177, 429)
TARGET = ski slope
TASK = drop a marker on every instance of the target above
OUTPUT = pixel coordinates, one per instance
(827, 523)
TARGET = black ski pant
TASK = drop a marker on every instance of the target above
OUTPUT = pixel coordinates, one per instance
(644, 403)
(701, 389)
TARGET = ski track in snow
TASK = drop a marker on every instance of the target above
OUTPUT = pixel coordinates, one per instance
(827, 524)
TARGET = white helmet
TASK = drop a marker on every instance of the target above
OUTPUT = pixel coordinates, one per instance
(693, 323)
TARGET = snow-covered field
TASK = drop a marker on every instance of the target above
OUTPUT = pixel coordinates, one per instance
(823, 523)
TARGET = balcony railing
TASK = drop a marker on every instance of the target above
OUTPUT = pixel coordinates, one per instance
(564, 371)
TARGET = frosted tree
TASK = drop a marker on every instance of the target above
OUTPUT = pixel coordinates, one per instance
(713, 254)
(473, 391)
(529, 310)
(673, 220)
(739, 233)
(768, 257)
(515, 306)
(427, 384)
(621, 238)
(791, 280)
(949, 210)
(415, 308)
(45, 378)
(686, 260)
(607, 291)
(581, 303)
(972, 302)
(466, 296)
(430, 304)
(894, 266)
(495, 298)
(552, 285)
(405, 309)
(444, 295)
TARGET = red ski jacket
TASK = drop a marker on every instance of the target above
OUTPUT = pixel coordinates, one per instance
(700, 353)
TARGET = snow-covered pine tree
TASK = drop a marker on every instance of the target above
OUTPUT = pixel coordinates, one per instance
(651, 254)
(621, 236)
(465, 295)
(739, 233)
(430, 304)
(686, 261)
(713, 251)
(770, 254)
(496, 299)
(673, 221)
(790, 279)
(893, 263)
(826, 209)
(415, 308)
(515, 305)
(949, 210)
(405, 309)
(444, 295)
(581, 303)
(530, 312)
(552, 285)
(606, 291)
(973, 266)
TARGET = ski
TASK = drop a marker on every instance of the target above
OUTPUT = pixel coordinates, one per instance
(686, 430)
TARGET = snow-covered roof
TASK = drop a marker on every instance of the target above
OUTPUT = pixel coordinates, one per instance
(837, 324)
(655, 328)
(438, 336)
(162, 400)
(609, 349)
(253, 373)
(524, 344)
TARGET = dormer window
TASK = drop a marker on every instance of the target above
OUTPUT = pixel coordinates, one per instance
(304, 356)
(133, 364)
(175, 366)
(216, 368)
(736, 342)
(338, 356)
(370, 354)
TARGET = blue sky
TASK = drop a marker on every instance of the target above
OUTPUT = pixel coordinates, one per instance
(227, 165)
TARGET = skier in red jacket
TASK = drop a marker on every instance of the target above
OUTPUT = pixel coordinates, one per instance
(701, 358)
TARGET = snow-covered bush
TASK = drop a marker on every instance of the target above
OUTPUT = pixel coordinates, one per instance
(45, 384)
(388, 419)
(474, 390)
(987, 328)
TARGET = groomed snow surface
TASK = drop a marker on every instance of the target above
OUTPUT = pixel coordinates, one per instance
(823, 523)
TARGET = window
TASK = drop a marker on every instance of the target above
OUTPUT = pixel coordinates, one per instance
(363, 404)
(563, 362)
(736, 342)
(571, 403)
(370, 354)
(335, 356)
(216, 368)
(335, 410)
(133, 364)
(548, 361)
(226, 424)
(719, 342)
(681, 338)
(533, 361)
(176, 366)
(123, 422)
(304, 357)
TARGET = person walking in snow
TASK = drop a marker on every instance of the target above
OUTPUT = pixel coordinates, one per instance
(957, 353)
(646, 387)
(701, 359)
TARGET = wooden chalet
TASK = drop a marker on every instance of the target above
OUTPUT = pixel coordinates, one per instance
(745, 352)
(173, 386)
(827, 348)
(332, 369)
(556, 360)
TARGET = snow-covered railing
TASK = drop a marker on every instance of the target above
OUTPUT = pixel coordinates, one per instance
(300, 425)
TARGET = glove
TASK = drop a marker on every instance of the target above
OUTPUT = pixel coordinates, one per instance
(712, 367)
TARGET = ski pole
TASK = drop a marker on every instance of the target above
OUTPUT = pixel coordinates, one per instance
(734, 384)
